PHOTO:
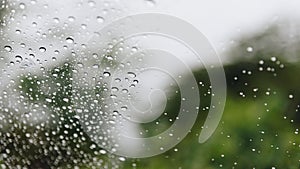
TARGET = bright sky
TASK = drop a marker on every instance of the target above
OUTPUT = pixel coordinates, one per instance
(223, 21)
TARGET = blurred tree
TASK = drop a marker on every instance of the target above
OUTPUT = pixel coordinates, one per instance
(259, 128)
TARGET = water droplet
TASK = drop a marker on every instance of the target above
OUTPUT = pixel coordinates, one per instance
(113, 96)
(69, 40)
(273, 58)
(100, 19)
(23, 45)
(83, 26)
(31, 55)
(106, 74)
(95, 55)
(22, 6)
(18, 31)
(71, 18)
(18, 58)
(56, 20)
(8, 48)
(48, 100)
(56, 52)
(131, 74)
(93, 146)
(124, 91)
(123, 108)
(122, 159)
(150, 2)
(79, 64)
(135, 82)
(42, 49)
(65, 99)
(91, 3)
(34, 24)
(114, 89)
(109, 57)
(134, 49)
(95, 66)
(249, 49)
(117, 80)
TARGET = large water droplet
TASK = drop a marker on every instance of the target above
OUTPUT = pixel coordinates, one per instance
(8, 48)
(42, 49)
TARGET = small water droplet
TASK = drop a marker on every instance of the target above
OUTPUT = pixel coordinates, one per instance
(56, 52)
(134, 49)
(150, 2)
(131, 74)
(79, 64)
(117, 80)
(18, 58)
(8, 48)
(109, 57)
(69, 40)
(100, 19)
(249, 49)
(91, 3)
(42, 49)
(95, 55)
(95, 66)
(23, 45)
(273, 58)
(71, 18)
(56, 20)
(113, 96)
(22, 6)
(48, 100)
(135, 82)
(106, 74)
(34, 24)
(124, 91)
(83, 26)
(65, 99)
(123, 108)
(122, 159)
(18, 31)
(31, 55)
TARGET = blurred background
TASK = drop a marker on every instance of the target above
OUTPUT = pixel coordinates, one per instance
(41, 60)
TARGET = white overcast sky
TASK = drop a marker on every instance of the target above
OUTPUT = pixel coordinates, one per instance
(224, 20)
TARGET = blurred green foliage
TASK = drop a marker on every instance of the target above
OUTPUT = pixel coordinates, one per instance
(259, 128)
